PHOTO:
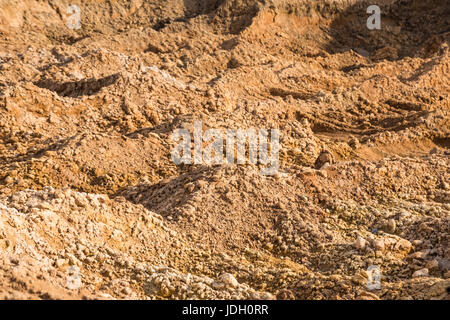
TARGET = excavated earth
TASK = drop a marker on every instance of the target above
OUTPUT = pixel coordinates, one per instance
(93, 207)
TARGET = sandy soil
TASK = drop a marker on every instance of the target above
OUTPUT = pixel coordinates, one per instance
(92, 205)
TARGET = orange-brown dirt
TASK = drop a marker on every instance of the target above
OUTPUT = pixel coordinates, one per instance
(88, 190)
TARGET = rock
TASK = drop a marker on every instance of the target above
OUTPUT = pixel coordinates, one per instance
(386, 52)
(300, 234)
(367, 296)
(80, 202)
(419, 255)
(432, 265)
(73, 261)
(420, 273)
(267, 296)
(378, 244)
(261, 296)
(354, 142)
(44, 206)
(323, 173)
(228, 280)
(153, 117)
(324, 157)
(359, 278)
(190, 187)
(202, 184)
(285, 294)
(99, 172)
(403, 245)
(360, 243)
(126, 291)
(9, 180)
(391, 226)
(60, 262)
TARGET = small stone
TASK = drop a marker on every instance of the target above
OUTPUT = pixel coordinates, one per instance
(360, 243)
(281, 205)
(323, 173)
(367, 296)
(52, 119)
(419, 255)
(60, 262)
(324, 157)
(354, 143)
(285, 294)
(228, 280)
(420, 273)
(403, 245)
(378, 244)
(359, 278)
(9, 180)
(164, 292)
(73, 261)
(80, 202)
(202, 184)
(391, 226)
(432, 265)
(190, 187)
(267, 296)
(98, 172)
(50, 153)
(127, 291)
(434, 150)
(44, 206)
(153, 117)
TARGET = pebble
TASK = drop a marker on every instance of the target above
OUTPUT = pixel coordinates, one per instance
(420, 273)
(378, 244)
(360, 243)
(228, 280)
(391, 226)
(60, 262)
(127, 291)
(9, 180)
(432, 265)
(190, 187)
(285, 294)
(419, 255)
(404, 245)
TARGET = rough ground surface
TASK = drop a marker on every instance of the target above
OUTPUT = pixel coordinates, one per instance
(86, 179)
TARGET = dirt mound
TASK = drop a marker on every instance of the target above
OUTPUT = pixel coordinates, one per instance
(92, 205)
